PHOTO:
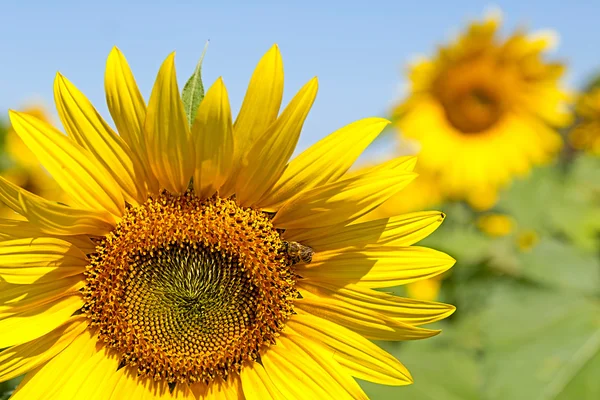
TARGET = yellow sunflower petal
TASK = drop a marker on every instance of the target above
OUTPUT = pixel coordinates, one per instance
(58, 371)
(411, 311)
(231, 389)
(74, 168)
(126, 384)
(199, 389)
(402, 230)
(358, 355)
(266, 160)
(399, 164)
(169, 152)
(15, 229)
(341, 201)
(369, 323)
(36, 322)
(39, 260)
(17, 298)
(324, 162)
(213, 132)
(128, 109)
(182, 391)
(259, 110)
(262, 101)
(297, 376)
(90, 381)
(376, 266)
(54, 218)
(17, 360)
(257, 385)
(324, 357)
(87, 128)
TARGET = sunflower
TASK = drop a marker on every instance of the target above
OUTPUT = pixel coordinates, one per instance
(496, 225)
(196, 261)
(585, 135)
(484, 110)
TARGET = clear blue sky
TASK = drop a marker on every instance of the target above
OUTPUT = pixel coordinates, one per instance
(357, 49)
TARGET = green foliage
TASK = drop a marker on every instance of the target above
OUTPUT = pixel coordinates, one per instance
(6, 388)
(558, 201)
(193, 91)
(527, 324)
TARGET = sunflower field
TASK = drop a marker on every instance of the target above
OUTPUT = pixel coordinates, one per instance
(447, 250)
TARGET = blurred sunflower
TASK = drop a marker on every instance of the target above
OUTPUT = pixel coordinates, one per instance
(483, 110)
(496, 225)
(585, 135)
(197, 262)
(24, 169)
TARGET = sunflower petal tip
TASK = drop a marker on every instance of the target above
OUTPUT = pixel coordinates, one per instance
(115, 55)
(451, 309)
(170, 58)
(376, 121)
(59, 79)
(451, 261)
(551, 37)
(14, 115)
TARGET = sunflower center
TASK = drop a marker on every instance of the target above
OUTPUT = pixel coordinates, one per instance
(187, 290)
(472, 97)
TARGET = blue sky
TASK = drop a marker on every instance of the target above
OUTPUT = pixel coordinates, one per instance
(357, 49)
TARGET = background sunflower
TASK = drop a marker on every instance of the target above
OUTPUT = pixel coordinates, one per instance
(484, 109)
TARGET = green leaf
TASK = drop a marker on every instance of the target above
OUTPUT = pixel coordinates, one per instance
(528, 200)
(7, 388)
(561, 265)
(561, 202)
(541, 345)
(193, 91)
(578, 214)
(585, 383)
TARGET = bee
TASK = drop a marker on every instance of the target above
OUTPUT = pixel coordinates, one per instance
(298, 252)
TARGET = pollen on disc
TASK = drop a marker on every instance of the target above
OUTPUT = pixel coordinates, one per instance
(188, 290)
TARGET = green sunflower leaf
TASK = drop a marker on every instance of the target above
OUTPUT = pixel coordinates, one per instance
(578, 214)
(541, 344)
(193, 91)
(559, 202)
(561, 265)
(529, 199)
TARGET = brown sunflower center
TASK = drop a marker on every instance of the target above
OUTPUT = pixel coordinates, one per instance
(472, 96)
(187, 290)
